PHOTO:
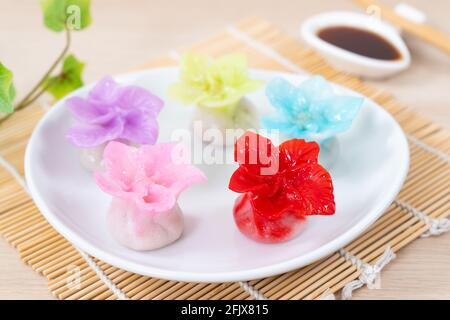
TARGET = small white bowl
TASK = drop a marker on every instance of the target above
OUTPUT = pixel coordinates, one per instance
(347, 60)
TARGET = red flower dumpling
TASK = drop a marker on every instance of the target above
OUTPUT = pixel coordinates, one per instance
(280, 185)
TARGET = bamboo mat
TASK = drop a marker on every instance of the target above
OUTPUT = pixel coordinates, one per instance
(72, 274)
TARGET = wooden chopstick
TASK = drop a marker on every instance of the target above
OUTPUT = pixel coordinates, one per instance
(425, 32)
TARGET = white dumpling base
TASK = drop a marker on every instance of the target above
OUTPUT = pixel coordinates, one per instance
(143, 231)
(214, 124)
(91, 158)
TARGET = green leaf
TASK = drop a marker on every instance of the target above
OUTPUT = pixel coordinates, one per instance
(7, 90)
(68, 80)
(59, 13)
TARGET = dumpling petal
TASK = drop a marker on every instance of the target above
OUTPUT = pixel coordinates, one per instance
(297, 152)
(87, 113)
(89, 136)
(105, 93)
(157, 198)
(233, 74)
(316, 88)
(113, 187)
(179, 177)
(257, 154)
(282, 95)
(312, 110)
(137, 98)
(310, 189)
(139, 128)
(120, 161)
(241, 181)
(119, 176)
(216, 84)
(167, 164)
(342, 108)
(249, 86)
(193, 67)
(186, 94)
(155, 157)
(81, 109)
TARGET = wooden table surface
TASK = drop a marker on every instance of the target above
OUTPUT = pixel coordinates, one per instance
(128, 33)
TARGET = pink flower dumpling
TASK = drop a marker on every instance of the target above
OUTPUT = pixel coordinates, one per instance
(145, 183)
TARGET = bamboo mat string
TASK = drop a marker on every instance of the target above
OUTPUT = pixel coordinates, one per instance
(102, 276)
(437, 153)
(370, 274)
(12, 170)
(269, 52)
(254, 293)
(436, 226)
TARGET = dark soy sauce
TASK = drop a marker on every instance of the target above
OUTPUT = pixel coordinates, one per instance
(360, 41)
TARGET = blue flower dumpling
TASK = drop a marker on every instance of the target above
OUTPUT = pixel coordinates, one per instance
(312, 111)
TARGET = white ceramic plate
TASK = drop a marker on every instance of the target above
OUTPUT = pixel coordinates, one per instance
(367, 176)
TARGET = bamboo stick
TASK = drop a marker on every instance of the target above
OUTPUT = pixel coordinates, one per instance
(425, 32)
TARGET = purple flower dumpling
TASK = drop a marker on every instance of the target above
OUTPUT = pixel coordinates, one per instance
(112, 112)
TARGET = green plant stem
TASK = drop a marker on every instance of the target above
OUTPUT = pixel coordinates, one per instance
(26, 99)
(37, 95)
(32, 96)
